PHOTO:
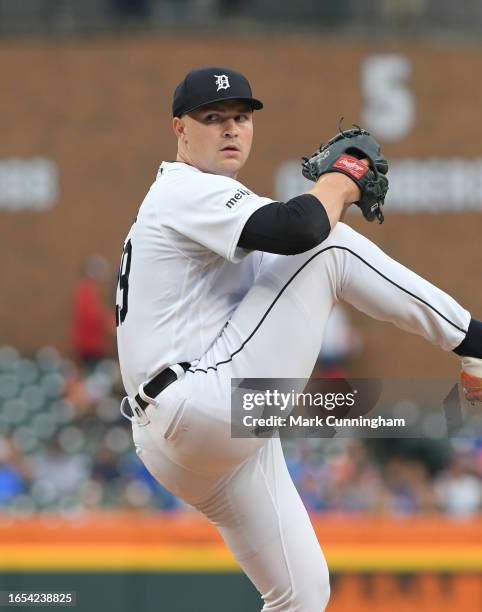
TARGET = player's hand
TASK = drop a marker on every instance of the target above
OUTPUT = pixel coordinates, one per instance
(365, 161)
(346, 185)
(344, 154)
(342, 184)
(472, 387)
(471, 379)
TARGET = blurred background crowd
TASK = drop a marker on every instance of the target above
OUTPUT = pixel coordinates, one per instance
(64, 446)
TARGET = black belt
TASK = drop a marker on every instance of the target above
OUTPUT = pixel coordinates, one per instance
(159, 383)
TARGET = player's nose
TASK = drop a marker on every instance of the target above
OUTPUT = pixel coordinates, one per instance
(230, 127)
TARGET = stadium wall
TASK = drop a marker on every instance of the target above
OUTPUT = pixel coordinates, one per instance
(120, 561)
(98, 111)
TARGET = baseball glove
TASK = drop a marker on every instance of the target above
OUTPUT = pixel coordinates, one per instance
(343, 154)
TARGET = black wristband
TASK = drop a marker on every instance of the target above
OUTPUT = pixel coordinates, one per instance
(471, 345)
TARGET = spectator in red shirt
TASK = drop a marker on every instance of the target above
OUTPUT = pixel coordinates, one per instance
(92, 320)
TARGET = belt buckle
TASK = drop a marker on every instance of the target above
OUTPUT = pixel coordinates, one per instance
(138, 416)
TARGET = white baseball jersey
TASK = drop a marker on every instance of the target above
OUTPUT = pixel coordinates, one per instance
(182, 278)
(182, 273)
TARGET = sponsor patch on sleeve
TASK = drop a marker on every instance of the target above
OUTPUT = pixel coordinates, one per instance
(238, 194)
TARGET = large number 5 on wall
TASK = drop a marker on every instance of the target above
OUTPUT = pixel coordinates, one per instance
(389, 108)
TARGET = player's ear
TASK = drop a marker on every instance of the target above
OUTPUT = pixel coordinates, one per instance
(178, 126)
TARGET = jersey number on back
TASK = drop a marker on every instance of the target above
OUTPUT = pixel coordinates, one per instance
(124, 270)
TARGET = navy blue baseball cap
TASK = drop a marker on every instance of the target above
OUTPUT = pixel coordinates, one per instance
(208, 85)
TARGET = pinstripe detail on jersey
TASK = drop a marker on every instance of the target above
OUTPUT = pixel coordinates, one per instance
(464, 331)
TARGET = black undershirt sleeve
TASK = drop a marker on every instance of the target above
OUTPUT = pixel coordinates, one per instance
(286, 228)
(471, 345)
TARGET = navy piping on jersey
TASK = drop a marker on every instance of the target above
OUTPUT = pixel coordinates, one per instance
(296, 274)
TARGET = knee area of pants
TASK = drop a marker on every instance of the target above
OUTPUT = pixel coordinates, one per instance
(312, 596)
(308, 602)
(315, 599)
(315, 592)
(324, 596)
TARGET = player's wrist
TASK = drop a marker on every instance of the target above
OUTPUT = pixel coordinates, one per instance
(346, 187)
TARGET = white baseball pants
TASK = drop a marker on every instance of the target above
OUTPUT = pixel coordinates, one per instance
(243, 485)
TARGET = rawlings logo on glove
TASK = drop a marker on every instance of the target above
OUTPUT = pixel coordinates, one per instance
(352, 165)
(343, 154)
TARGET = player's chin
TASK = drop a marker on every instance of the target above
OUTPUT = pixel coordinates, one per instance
(231, 165)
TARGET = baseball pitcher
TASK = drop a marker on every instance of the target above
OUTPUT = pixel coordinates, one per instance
(217, 282)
